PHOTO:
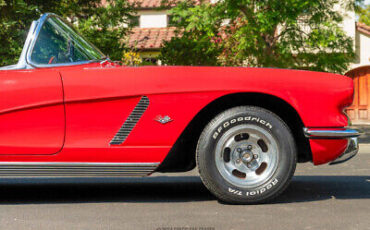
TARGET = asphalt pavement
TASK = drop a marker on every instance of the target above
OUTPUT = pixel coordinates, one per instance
(325, 197)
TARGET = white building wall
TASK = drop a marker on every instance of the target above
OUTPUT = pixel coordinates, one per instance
(361, 42)
(362, 50)
(349, 23)
(153, 19)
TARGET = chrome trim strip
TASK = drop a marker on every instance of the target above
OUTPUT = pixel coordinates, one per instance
(131, 121)
(67, 169)
(62, 64)
(330, 133)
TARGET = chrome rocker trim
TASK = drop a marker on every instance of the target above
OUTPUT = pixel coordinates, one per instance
(67, 169)
(350, 134)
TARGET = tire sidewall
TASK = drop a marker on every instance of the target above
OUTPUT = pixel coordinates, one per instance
(251, 116)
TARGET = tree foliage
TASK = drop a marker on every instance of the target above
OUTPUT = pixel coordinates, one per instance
(299, 34)
(363, 12)
(193, 47)
(100, 24)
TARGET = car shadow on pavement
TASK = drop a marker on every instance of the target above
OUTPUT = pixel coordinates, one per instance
(314, 188)
(167, 189)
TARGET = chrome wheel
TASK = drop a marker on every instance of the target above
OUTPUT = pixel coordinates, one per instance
(247, 156)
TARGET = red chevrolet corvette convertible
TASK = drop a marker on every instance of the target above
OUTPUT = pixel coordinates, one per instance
(66, 110)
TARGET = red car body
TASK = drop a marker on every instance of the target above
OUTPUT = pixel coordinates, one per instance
(94, 117)
(70, 114)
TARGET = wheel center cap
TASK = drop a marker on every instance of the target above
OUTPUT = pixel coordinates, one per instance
(247, 157)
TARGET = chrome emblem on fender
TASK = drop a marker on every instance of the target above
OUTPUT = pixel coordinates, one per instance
(163, 120)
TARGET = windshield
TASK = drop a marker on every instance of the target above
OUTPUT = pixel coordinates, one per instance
(59, 43)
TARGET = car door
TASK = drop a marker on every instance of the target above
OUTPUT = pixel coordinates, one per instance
(32, 119)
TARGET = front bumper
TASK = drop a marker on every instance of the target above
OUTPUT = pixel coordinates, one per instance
(350, 134)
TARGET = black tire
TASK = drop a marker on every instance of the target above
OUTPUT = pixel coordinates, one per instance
(252, 117)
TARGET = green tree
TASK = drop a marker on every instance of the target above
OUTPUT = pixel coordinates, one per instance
(363, 12)
(298, 34)
(100, 24)
(194, 44)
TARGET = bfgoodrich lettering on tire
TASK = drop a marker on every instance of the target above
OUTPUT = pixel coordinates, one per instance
(246, 155)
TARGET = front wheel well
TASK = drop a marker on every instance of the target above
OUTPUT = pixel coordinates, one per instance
(181, 157)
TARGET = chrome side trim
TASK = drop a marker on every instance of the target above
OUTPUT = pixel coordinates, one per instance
(131, 121)
(66, 169)
(330, 133)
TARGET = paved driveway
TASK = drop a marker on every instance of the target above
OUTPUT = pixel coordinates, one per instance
(326, 197)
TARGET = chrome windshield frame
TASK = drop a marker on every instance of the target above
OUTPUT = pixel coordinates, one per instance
(33, 35)
(22, 63)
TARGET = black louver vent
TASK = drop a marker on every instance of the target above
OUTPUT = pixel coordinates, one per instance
(131, 121)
